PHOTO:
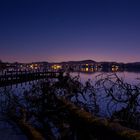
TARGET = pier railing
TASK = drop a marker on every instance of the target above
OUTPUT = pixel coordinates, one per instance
(15, 77)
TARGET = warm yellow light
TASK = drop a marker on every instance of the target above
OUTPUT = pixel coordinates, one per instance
(56, 67)
(32, 66)
(113, 69)
(86, 69)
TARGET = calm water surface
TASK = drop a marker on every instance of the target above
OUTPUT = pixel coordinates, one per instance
(130, 77)
(104, 110)
(105, 107)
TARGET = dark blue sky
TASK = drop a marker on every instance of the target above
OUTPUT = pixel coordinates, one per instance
(61, 30)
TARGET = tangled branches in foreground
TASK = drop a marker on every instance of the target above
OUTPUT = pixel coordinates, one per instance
(39, 106)
(123, 99)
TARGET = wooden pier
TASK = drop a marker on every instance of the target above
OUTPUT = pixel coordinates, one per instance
(15, 77)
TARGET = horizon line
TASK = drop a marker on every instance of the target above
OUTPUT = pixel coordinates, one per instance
(109, 61)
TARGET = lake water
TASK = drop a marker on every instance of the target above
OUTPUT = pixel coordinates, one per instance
(106, 106)
(130, 77)
(104, 110)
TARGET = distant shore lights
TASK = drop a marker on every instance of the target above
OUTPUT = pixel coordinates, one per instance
(56, 67)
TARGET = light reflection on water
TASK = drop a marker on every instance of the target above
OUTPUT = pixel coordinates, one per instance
(106, 109)
(129, 77)
(20, 88)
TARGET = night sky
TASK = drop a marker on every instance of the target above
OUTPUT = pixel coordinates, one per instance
(62, 30)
